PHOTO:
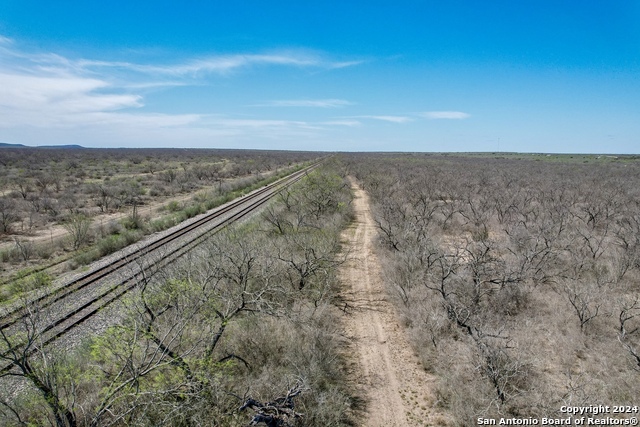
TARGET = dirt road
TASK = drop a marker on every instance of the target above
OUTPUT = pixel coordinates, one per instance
(57, 231)
(388, 374)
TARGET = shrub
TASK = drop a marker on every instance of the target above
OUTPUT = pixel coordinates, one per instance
(109, 244)
(173, 206)
(85, 257)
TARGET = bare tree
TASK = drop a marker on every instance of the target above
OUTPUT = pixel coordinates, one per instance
(241, 283)
(8, 214)
(277, 219)
(69, 201)
(391, 217)
(22, 348)
(307, 255)
(104, 197)
(23, 186)
(279, 412)
(78, 227)
(584, 299)
(43, 181)
(24, 247)
(630, 329)
(169, 175)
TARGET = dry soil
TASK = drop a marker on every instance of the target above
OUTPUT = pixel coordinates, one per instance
(396, 388)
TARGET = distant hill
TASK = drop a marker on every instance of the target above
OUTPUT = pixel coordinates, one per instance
(70, 146)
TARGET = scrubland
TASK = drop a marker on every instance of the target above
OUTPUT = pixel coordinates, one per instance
(517, 280)
(249, 314)
(76, 205)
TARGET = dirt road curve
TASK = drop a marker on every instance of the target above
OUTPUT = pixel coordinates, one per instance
(397, 389)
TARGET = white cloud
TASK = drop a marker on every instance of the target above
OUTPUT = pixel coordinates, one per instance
(349, 123)
(259, 123)
(392, 119)
(221, 64)
(50, 101)
(46, 97)
(216, 64)
(145, 121)
(433, 115)
(26, 91)
(319, 103)
(73, 101)
(344, 64)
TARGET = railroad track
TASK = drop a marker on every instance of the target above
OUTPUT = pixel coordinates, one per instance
(10, 279)
(73, 313)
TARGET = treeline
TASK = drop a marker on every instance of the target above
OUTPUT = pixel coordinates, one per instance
(246, 318)
(518, 280)
(40, 188)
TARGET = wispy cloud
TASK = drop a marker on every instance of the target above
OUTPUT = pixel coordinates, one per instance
(47, 90)
(455, 115)
(349, 123)
(46, 97)
(46, 101)
(344, 64)
(392, 119)
(318, 103)
(65, 94)
(260, 123)
(222, 64)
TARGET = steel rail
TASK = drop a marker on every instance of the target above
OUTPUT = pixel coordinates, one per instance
(79, 283)
(116, 291)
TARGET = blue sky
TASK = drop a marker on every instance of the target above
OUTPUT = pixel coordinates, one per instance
(528, 76)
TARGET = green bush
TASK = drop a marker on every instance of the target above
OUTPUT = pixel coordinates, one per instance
(45, 251)
(113, 243)
(173, 206)
(29, 283)
(162, 224)
(132, 236)
(133, 222)
(86, 257)
(109, 245)
(5, 256)
(191, 211)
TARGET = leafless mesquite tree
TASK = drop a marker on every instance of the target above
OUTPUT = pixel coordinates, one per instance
(28, 359)
(8, 214)
(629, 331)
(519, 262)
(78, 226)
